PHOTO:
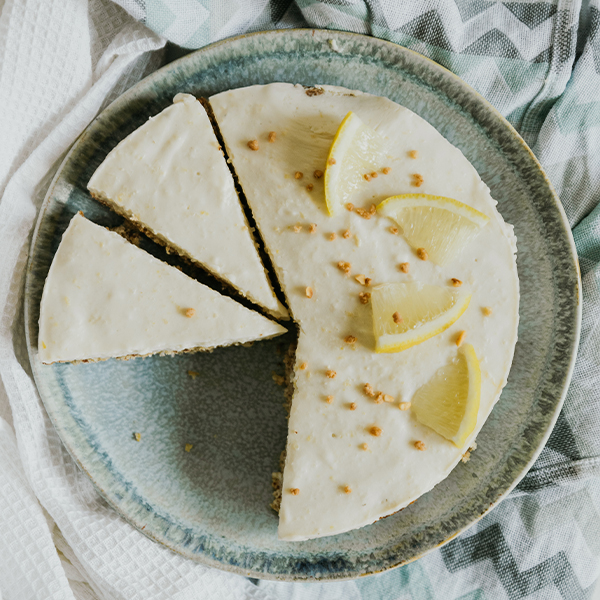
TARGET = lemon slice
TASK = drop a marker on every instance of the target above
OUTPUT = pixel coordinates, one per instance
(449, 401)
(406, 314)
(442, 226)
(356, 149)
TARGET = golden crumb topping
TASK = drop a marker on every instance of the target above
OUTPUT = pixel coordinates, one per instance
(344, 266)
(413, 154)
(318, 174)
(309, 292)
(330, 373)
(404, 267)
(487, 311)
(460, 338)
(364, 297)
(456, 282)
(350, 339)
(253, 145)
(312, 228)
(397, 318)
(404, 405)
(375, 431)
(272, 136)
(419, 445)
(417, 180)
(422, 254)
(190, 312)
(294, 491)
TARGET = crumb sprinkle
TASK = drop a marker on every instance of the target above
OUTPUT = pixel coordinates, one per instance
(375, 431)
(394, 230)
(350, 339)
(294, 491)
(349, 206)
(417, 180)
(272, 136)
(297, 228)
(374, 175)
(413, 153)
(364, 297)
(303, 366)
(190, 312)
(318, 174)
(386, 170)
(331, 161)
(330, 373)
(422, 254)
(310, 187)
(329, 399)
(347, 234)
(137, 437)
(368, 389)
(404, 405)
(456, 282)
(353, 406)
(487, 311)
(188, 447)
(253, 145)
(347, 489)
(461, 338)
(397, 318)
(298, 175)
(332, 236)
(419, 445)
(404, 267)
(193, 374)
(344, 266)
(364, 446)
(309, 292)
(312, 228)
(367, 177)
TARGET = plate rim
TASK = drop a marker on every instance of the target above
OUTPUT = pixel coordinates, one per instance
(157, 75)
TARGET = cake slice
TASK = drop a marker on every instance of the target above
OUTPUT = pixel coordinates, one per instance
(106, 298)
(356, 451)
(169, 177)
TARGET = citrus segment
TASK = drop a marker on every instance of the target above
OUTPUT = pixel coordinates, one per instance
(449, 401)
(442, 226)
(356, 149)
(406, 314)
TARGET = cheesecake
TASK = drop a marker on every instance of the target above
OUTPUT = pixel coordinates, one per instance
(351, 458)
(106, 298)
(169, 178)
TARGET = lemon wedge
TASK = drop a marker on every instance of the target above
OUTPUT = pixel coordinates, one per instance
(406, 314)
(442, 226)
(449, 401)
(356, 149)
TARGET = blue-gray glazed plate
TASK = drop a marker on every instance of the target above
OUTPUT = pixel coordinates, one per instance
(211, 504)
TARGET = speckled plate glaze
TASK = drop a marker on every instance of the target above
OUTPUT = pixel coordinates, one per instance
(211, 504)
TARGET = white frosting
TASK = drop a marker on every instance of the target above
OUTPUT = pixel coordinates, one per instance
(170, 176)
(105, 298)
(324, 445)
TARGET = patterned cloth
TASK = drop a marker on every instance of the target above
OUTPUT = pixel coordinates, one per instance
(539, 64)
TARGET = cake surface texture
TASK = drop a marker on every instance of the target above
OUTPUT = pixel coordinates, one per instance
(351, 460)
(105, 298)
(170, 178)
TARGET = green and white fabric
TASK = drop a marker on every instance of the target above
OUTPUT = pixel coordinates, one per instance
(539, 64)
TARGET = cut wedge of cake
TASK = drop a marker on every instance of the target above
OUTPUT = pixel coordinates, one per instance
(355, 450)
(170, 178)
(106, 298)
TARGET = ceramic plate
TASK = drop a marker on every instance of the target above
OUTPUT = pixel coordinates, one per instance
(212, 504)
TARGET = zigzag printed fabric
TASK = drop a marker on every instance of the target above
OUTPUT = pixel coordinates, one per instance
(538, 63)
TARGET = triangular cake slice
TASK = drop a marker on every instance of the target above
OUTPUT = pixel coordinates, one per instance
(169, 177)
(106, 298)
(352, 459)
